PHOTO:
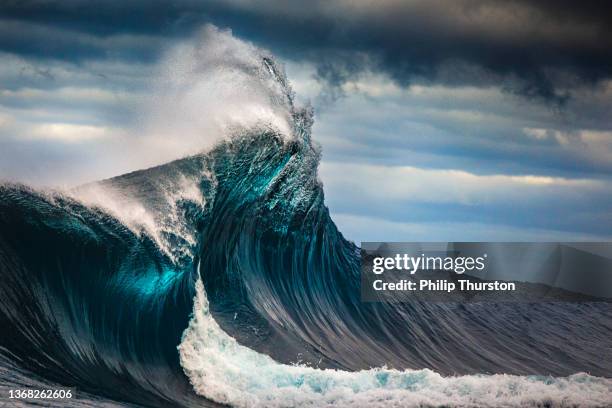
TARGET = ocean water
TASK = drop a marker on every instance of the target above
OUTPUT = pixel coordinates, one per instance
(221, 278)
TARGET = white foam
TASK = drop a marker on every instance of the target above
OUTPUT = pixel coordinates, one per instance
(224, 371)
(131, 212)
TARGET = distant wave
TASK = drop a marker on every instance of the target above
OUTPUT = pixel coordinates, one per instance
(232, 257)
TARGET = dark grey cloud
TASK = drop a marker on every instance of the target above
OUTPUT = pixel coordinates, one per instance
(106, 17)
(533, 49)
(41, 41)
(539, 49)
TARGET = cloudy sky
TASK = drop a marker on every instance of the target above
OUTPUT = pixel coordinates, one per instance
(454, 120)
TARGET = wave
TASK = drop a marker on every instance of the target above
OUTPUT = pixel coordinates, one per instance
(232, 256)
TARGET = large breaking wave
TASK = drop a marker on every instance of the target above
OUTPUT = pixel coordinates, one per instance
(221, 278)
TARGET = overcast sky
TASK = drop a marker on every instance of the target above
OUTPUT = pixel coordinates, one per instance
(454, 120)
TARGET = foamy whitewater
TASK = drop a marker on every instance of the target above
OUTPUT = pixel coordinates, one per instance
(224, 371)
(220, 278)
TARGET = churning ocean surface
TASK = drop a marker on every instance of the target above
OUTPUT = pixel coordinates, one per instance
(221, 278)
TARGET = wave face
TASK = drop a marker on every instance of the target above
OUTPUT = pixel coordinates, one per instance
(221, 278)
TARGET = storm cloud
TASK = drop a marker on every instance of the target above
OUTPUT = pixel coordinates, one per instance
(539, 49)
